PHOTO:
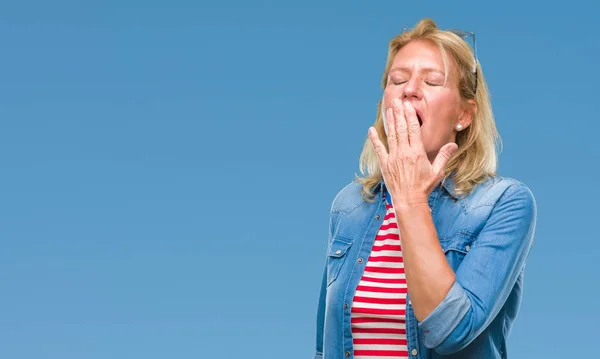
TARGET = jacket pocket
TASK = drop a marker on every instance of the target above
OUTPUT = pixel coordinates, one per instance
(456, 248)
(336, 256)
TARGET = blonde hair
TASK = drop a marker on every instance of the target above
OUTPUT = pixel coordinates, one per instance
(476, 157)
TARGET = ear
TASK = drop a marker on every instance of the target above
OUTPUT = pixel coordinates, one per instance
(467, 113)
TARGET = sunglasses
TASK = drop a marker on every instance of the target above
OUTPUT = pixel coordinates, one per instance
(464, 35)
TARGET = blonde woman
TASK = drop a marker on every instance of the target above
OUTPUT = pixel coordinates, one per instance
(427, 248)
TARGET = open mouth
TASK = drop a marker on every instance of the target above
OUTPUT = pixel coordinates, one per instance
(420, 120)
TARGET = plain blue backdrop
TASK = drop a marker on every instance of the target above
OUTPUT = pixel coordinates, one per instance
(167, 167)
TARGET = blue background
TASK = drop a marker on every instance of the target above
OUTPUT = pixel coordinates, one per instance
(167, 167)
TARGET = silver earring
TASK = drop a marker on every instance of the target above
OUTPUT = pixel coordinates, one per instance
(459, 127)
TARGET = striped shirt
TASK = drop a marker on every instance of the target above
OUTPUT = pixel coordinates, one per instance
(379, 308)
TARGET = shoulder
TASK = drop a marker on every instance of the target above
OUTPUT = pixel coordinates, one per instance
(497, 190)
(348, 198)
(500, 207)
(500, 200)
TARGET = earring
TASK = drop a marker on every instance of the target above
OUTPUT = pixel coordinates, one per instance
(459, 127)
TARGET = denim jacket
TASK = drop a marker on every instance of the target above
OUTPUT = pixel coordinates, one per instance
(486, 237)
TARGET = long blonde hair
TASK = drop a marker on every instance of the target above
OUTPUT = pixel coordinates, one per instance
(476, 157)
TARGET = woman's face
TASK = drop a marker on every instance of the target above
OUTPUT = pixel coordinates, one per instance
(417, 76)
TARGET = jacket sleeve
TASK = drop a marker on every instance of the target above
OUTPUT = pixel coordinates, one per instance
(487, 274)
(323, 294)
(321, 316)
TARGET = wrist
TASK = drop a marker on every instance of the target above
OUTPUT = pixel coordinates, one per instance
(410, 210)
(411, 206)
(408, 200)
(412, 215)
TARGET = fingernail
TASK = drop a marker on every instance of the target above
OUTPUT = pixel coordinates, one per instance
(407, 105)
(396, 102)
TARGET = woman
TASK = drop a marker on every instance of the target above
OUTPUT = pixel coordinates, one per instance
(427, 249)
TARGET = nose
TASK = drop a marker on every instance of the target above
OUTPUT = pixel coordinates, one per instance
(412, 89)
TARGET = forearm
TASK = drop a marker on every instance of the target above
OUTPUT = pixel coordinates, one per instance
(428, 274)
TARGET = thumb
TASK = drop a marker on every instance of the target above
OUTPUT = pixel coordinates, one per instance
(443, 157)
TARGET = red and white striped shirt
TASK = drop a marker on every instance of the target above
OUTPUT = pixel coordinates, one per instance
(379, 308)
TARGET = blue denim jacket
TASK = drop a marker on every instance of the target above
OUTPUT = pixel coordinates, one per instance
(486, 237)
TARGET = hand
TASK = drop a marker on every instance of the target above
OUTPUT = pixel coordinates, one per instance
(407, 172)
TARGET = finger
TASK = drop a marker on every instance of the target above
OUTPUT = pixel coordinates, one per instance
(414, 129)
(392, 136)
(400, 121)
(442, 158)
(388, 118)
(378, 145)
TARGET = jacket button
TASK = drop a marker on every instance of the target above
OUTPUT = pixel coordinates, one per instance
(347, 354)
(360, 260)
(414, 352)
(377, 217)
(345, 305)
(468, 247)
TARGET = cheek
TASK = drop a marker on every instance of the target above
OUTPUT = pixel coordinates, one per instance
(390, 93)
(444, 110)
